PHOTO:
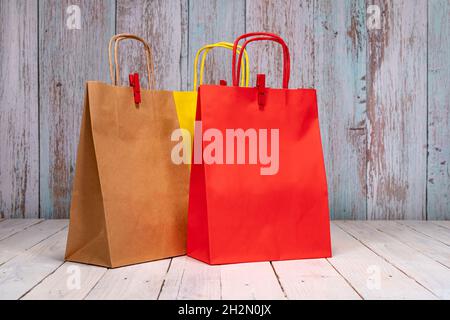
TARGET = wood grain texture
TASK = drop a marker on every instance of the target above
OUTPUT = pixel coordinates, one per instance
(371, 260)
(396, 109)
(243, 282)
(294, 21)
(313, 279)
(189, 279)
(184, 59)
(29, 237)
(21, 274)
(436, 250)
(438, 183)
(138, 282)
(212, 21)
(10, 227)
(67, 59)
(426, 271)
(340, 78)
(161, 23)
(434, 231)
(19, 135)
(383, 94)
(368, 273)
(62, 284)
(442, 223)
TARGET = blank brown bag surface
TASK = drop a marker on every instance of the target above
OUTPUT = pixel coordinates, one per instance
(129, 200)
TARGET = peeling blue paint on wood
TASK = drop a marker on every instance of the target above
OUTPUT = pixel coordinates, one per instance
(397, 112)
(210, 22)
(438, 180)
(19, 138)
(340, 71)
(67, 59)
(160, 22)
(384, 98)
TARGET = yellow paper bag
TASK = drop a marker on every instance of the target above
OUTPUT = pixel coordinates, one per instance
(186, 101)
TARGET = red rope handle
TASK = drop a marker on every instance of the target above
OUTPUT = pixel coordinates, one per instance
(261, 36)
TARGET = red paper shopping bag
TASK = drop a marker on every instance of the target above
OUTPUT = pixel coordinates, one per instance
(270, 203)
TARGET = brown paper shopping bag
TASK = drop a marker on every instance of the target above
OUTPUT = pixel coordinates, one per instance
(129, 200)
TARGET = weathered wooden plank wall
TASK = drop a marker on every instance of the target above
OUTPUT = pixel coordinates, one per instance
(294, 20)
(19, 137)
(383, 93)
(162, 24)
(396, 110)
(209, 22)
(340, 69)
(67, 58)
(438, 183)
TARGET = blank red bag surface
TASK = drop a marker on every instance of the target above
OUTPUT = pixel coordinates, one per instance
(235, 213)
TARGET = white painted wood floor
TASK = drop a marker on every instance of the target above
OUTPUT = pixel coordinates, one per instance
(371, 260)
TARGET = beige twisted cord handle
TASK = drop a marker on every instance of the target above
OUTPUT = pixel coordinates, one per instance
(115, 66)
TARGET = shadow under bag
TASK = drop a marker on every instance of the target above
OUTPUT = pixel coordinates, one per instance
(236, 213)
(129, 200)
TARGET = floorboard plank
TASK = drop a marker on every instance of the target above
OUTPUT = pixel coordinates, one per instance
(430, 274)
(191, 279)
(19, 114)
(313, 279)
(442, 223)
(432, 230)
(416, 240)
(397, 136)
(438, 119)
(339, 62)
(250, 281)
(10, 227)
(408, 259)
(64, 283)
(160, 23)
(370, 274)
(207, 25)
(21, 274)
(27, 238)
(67, 59)
(137, 282)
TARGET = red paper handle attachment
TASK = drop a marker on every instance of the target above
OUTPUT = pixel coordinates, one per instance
(261, 85)
(262, 36)
(135, 84)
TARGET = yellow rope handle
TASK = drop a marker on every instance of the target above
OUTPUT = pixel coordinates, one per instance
(245, 77)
